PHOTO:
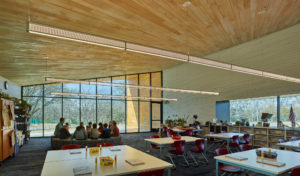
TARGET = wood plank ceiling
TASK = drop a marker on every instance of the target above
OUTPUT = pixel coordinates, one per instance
(200, 29)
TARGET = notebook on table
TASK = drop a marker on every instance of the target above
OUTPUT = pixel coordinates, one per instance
(134, 162)
(75, 152)
(82, 170)
(235, 157)
(272, 163)
(114, 149)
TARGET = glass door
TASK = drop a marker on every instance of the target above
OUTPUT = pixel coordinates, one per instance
(156, 114)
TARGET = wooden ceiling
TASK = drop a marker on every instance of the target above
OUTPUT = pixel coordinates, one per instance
(200, 29)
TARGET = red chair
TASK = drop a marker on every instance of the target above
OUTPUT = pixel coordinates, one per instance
(244, 147)
(227, 168)
(200, 148)
(246, 140)
(189, 132)
(153, 145)
(234, 142)
(179, 151)
(105, 144)
(170, 133)
(71, 146)
(159, 172)
(295, 172)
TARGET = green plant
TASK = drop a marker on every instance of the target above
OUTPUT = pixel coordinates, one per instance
(180, 122)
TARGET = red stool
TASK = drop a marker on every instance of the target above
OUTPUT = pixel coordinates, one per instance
(226, 168)
(234, 142)
(179, 151)
(246, 140)
(295, 172)
(170, 133)
(71, 146)
(200, 148)
(153, 145)
(189, 132)
(159, 172)
(244, 147)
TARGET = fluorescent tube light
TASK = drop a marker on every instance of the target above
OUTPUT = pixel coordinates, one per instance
(132, 86)
(113, 96)
(74, 36)
(246, 70)
(156, 52)
(210, 63)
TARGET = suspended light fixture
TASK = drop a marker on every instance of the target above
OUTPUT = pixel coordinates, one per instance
(112, 43)
(113, 96)
(131, 86)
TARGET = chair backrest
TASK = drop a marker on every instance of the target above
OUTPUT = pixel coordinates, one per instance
(200, 144)
(189, 132)
(170, 132)
(235, 139)
(221, 151)
(179, 145)
(165, 129)
(212, 133)
(295, 171)
(159, 172)
(244, 147)
(295, 138)
(107, 144)
(246, 138)
(154, 136)
(71, 146)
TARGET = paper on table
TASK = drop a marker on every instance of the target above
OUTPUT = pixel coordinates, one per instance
(114, 149)
(134, 162)
(82, 170)
(75, 152)
(272, 163)
(240, 158)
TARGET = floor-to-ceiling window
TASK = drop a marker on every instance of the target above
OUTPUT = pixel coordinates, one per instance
(286, 102)
(131, 115)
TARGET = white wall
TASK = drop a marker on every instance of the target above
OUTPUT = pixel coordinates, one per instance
(188, 104)
(13, 89)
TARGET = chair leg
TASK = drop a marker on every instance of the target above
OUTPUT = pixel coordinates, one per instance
(204, 157)
(172, 160)
(188, 165)
(196, 163)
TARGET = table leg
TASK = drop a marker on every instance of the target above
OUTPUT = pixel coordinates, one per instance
(160, 148)
(217, 168)
(252, 142)
(146, 147)
(169, 171)
(228, 141)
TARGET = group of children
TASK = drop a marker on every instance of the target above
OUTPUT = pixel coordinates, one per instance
(91, 131)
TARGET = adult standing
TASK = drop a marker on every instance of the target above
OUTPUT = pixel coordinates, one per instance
(59, 126)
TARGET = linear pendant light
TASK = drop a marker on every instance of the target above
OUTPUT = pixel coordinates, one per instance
(112, 43)
(113, 96)
(131, 86)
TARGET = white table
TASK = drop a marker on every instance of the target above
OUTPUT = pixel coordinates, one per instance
(228, 137)
(291, 159)
(168, 141)
(290, 144)
(61, 162)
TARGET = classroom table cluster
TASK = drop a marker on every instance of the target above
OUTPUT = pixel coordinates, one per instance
(234, 153)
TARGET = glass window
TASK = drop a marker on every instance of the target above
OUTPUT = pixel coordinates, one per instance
(52, 114)
(132, 80)
(104, 111)
(144, 116)
(145, 81)
(71, 88)
(132, 116)
(104, 89)
(252, 109)
(48, 88)
(156, 82)
(118, 110)
(118, 90)
(71, 112)
(88, 89)
(286, 102)
(88, 111)
(33, 91)
(36, 119)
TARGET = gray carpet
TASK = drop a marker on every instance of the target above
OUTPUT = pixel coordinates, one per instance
(30, 159)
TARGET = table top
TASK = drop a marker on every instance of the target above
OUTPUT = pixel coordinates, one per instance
(291, 159)
(169, 140)
(225, 135)
(61, 162)
(290, 144)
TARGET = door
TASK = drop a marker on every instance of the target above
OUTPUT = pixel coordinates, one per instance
(156, 114)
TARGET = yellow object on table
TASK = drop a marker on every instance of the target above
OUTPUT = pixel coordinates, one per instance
(94, 150)
(106, 161)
